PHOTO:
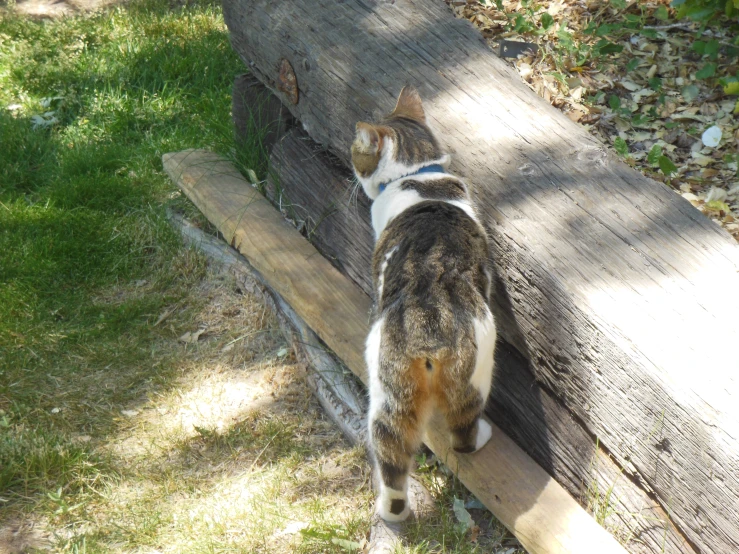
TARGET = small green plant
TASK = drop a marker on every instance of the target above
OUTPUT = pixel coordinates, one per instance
(666, 166)
(706, 10)
(621, 147)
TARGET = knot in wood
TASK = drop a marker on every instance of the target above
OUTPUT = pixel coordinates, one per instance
(287, 82)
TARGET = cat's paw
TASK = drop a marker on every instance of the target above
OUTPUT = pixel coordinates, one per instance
(393, 505)
(484, 432)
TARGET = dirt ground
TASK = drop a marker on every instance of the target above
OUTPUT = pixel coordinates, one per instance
(236, 454)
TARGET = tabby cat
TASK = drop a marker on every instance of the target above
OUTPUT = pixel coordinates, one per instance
(432, 340)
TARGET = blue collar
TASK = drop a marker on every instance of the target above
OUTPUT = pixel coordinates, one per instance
(436, 168)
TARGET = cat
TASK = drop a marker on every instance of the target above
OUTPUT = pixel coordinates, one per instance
(432, 339)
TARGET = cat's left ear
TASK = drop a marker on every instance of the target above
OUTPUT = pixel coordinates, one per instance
(371, 136)
(409, 105)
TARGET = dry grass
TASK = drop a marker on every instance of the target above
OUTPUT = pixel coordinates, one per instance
(234, 455)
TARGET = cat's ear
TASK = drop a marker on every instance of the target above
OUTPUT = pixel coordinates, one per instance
(409, 105)
(371, 136)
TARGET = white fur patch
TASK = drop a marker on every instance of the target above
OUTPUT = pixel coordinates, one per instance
(482, 377)
(393, 201)
(372, 357)
(387, 495)
(390, 204)
(466, 207)
(484, 432)
(381, 283)
(390, 170)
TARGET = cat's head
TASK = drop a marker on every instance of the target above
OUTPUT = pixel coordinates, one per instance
(399, 145)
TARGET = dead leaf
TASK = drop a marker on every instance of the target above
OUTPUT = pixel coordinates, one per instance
(192, 336)
(631, 86)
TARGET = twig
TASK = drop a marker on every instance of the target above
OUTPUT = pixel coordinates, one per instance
(681, 26)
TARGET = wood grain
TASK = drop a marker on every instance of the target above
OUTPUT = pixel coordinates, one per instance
(619, 293)
(527, 501)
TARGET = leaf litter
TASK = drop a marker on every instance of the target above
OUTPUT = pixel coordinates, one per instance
(663, 92)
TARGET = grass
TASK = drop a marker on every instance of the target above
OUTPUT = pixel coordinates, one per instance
(115, 434)
(87, 257)
(88, 260)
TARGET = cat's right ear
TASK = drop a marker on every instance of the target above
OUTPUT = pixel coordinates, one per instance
(409, 105)
(370, 136)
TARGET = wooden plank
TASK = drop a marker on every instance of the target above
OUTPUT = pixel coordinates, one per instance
(615, 287)
(317, 194)
(525, 499)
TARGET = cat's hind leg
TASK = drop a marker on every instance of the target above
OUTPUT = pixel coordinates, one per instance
(396, 416)
(464, 401)
(469, 432)
(393, 448)
(395, 426)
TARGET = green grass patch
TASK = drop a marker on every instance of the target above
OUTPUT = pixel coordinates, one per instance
(88, 261)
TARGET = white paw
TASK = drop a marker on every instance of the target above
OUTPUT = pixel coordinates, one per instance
(484, 432)
(393, 505)
(388, 516)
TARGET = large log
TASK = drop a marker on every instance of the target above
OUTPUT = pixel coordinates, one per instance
(313, 189)
(525, 499)
(619, 293)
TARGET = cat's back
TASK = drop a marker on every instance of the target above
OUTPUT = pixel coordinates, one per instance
(432, 272)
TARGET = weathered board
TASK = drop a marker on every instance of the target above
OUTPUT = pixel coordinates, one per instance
(520, 493)
(619, 293)
(314, 191)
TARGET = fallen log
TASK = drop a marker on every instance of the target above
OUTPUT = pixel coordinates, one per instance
(523, 497)
(615, 289)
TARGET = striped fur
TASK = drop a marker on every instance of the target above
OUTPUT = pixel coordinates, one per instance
(432, 342)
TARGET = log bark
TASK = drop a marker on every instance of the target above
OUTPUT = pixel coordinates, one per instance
(523, 497)
(618, 292)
